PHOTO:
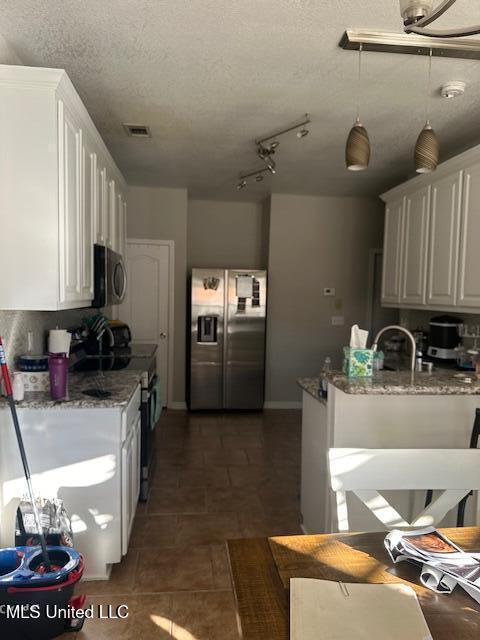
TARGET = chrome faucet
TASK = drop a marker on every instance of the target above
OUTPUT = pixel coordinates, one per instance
(396, 327)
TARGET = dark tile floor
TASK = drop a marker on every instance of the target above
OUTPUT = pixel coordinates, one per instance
(218, 476)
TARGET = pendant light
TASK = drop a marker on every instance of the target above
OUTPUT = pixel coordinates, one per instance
(357, 149)
(427, 147)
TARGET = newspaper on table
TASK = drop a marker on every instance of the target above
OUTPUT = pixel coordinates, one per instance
(443, 563)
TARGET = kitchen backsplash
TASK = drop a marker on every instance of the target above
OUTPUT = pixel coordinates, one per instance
(14, 326)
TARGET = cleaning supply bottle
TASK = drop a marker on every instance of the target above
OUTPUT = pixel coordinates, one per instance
(327, 366)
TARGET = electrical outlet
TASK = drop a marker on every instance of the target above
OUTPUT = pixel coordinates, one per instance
(329, 291)
(338, 321)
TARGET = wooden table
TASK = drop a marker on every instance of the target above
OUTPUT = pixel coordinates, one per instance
(262, 568)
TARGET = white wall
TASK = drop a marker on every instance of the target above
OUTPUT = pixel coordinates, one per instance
(226, 234)
(315, 242)
(158, 213)
(7, 54)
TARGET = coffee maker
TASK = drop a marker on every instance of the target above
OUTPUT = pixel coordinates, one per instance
(444, 337)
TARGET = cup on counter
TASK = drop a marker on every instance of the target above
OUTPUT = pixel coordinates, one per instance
(58, 369)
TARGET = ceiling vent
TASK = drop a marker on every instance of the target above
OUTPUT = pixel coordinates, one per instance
(137, 130)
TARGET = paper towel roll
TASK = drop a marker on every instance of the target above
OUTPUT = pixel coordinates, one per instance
(59, 341)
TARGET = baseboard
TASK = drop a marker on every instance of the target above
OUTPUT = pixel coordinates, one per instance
(276, 404)
(178, 406)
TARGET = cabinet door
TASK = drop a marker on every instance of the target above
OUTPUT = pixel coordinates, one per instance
(127, 489)
(70, 200)
(468, 291)
(118, 244)
(392, 243)
(415, 247)
(136, 466)
(89, 203)
(101, 202)
(444, 227)
(112, 208)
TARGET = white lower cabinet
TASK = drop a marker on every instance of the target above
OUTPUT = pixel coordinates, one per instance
(88, 457)
(130, 481)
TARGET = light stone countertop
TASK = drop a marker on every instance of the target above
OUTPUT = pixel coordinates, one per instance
(439, 382)
(121, 384)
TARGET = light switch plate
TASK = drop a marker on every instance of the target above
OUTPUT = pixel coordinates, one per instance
(329, 291)
(338, 321)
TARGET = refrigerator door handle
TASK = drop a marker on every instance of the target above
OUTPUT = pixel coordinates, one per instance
(225, 335)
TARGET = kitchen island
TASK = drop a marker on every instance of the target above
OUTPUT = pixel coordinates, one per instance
(393, 409)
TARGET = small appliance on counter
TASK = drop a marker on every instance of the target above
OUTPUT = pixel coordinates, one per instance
(444, 337)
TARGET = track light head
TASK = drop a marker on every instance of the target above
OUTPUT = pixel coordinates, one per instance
(302, 133)
(241, 185)
(271, 165)
(259, 178)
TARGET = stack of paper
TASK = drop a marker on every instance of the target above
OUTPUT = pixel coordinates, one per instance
(339, 611)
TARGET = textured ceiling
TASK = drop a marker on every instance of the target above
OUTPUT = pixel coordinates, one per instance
(208, 76)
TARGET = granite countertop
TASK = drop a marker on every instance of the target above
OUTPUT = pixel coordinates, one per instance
(121, 384)
(439, 382)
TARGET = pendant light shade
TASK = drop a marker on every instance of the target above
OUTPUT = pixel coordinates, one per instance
(426, 150)
(357, 149)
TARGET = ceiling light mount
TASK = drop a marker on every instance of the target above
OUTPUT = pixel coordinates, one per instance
(416, 45)
(418, 14)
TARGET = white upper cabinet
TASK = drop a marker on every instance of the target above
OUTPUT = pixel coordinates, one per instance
(468, 293)
(443, 240)
(414, 249)
(438, 239)
(55, 174)
(392, 243)
(112, 213)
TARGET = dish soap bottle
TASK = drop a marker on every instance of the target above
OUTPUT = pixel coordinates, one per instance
(327, 367)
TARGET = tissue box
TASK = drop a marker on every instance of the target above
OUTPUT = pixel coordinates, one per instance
(357, 363)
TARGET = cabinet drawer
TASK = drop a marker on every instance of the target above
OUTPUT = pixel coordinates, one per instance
(130, 414)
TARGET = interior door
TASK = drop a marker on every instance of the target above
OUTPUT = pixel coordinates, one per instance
(145, 307)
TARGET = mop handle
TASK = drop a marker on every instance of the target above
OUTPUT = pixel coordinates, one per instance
(5, 374)
(23, 455)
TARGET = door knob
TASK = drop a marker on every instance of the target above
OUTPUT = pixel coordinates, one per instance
(163, 335)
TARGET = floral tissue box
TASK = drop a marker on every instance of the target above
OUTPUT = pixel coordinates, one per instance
(357, 363)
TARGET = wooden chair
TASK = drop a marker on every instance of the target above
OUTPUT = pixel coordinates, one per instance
(366, 472)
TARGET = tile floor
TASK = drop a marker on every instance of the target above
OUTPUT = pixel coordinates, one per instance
(218, 476)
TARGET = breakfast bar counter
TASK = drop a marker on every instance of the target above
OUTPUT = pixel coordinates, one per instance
(391, 410)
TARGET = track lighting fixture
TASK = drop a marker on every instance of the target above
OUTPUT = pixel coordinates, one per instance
(241, 185)
(266, 148)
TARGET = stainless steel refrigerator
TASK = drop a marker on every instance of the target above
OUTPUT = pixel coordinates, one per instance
(227, 339)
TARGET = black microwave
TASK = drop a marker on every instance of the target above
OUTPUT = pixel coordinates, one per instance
(110, 277)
